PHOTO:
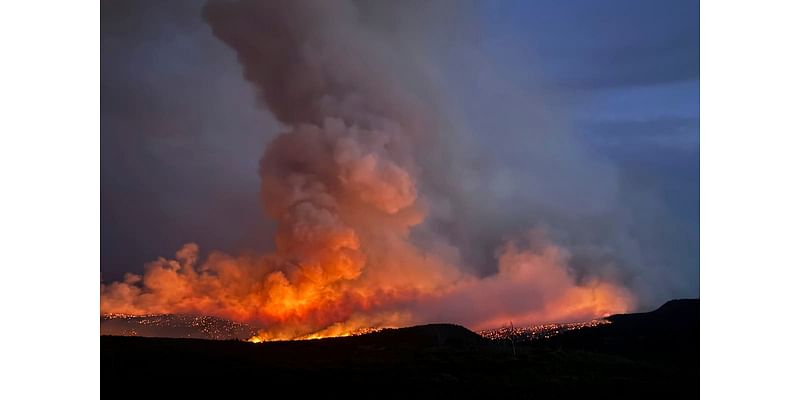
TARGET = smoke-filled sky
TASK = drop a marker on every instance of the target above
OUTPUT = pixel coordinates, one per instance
(470, 139)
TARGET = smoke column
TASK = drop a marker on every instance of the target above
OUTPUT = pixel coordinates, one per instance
(344, 183)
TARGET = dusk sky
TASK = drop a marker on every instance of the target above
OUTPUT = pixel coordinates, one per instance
(182, 133)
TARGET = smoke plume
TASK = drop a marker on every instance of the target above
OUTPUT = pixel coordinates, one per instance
(360, 184)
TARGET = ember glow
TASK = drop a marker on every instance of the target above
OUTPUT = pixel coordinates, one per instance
(536, 332)
(266, 337)
(344, 185)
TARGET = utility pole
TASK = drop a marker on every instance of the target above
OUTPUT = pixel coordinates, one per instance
(511, 338)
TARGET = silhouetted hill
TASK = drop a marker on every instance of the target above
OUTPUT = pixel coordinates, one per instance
(645, 355)
(670, 333)
(674, 311)
(433, 335)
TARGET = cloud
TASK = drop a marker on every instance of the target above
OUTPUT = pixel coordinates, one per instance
(588, 45)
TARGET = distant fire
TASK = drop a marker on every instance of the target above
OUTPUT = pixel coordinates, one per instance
(536, 332)
(263, 337)
(344, 186)
(529, 287)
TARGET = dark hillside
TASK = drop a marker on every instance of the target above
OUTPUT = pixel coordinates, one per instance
(634, 357)
(670, 334)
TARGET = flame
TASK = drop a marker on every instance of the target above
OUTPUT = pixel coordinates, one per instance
(265, 336)
(530, 286)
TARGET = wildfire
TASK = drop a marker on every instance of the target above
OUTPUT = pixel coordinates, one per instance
(529, 286)
(343, 185)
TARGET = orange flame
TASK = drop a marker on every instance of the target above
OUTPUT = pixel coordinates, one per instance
(529, 286)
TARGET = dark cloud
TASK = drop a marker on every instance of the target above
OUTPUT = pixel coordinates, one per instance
(598, 45)
(675, 60)
(665, 132)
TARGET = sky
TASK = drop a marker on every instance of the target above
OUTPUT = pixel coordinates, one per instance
(182, 133)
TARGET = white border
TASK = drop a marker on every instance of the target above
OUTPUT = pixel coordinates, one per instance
(750, 195)
(49, 199)
(49, 207)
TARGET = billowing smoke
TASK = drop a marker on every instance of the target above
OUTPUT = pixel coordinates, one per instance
(358, 184)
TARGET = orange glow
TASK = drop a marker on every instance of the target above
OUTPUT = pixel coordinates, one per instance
(306, 302)
(343, 259)
(343, 184)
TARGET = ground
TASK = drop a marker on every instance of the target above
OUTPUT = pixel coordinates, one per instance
(638, 355)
